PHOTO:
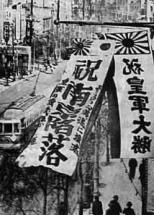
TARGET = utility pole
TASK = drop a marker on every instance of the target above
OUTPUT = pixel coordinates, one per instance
(108, 138)
(20, 22)
(57, 29)
(31, 33)
(144, 183)
(43, 3)
(13, 54)
(96, 157)
(83, 11)
(31, 22)
(81, 189)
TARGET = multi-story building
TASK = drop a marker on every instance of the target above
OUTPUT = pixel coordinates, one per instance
(1, 20)
(149, 8)
(113, 10)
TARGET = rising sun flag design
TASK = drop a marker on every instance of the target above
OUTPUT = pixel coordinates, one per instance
(81, 46)
(130, 42)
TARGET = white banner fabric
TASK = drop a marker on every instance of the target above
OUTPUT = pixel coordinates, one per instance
(134, 79)
(57, 142)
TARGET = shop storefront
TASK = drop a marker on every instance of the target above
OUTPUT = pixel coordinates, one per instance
(18, 57)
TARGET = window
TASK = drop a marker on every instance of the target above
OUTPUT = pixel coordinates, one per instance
(7, 128)
(16, 127)
(151, 8)
(1, 127)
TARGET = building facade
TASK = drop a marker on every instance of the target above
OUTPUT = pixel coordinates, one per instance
(1, 21)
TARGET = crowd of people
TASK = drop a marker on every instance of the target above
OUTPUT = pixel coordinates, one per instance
(114, 207)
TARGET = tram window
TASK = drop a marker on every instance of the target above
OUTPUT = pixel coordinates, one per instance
(1, 127)
(16, 127)
(8, 128)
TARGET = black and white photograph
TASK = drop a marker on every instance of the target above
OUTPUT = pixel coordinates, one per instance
(76, 107)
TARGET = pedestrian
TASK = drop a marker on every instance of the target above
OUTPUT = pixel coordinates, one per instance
(142, 171)
(129, 210)
(110, 210)
(117, 208)
(132, 168)
(97, 207)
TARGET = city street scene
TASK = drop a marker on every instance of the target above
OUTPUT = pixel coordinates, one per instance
(76, 107)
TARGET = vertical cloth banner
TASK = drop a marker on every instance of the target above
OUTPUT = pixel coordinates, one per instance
(150, 193)
(57, 142)
(134, 79)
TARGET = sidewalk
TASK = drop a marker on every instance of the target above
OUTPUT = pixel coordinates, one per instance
(114, 180)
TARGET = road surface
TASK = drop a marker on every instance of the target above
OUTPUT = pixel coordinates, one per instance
(45, 85)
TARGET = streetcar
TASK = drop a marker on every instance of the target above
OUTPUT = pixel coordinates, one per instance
(20, 120)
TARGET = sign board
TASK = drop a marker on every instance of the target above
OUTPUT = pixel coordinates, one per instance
(57, 142)
(134, 82)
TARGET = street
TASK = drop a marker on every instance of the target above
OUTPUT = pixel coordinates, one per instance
(45, 85)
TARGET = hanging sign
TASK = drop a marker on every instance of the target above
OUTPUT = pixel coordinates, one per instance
(57, 142)
(134, 80)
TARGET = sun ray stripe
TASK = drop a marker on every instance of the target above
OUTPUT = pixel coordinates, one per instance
(135, 50)
(141, 44)
(126, 49)
(136, 34)
(118, 42)
(122, 35)
(143, 47)
(123, 51)
(142, 41)
(80, 51)
(143, 50)
(118, 46)
(87, 45)
(76, 40)
(75, 53)
(130, 51)
(118, 51)
(140, 49)
(86, 50)
(84, 53)
(115, 37)
(130, 34)
(126, 36)
(140, 37)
